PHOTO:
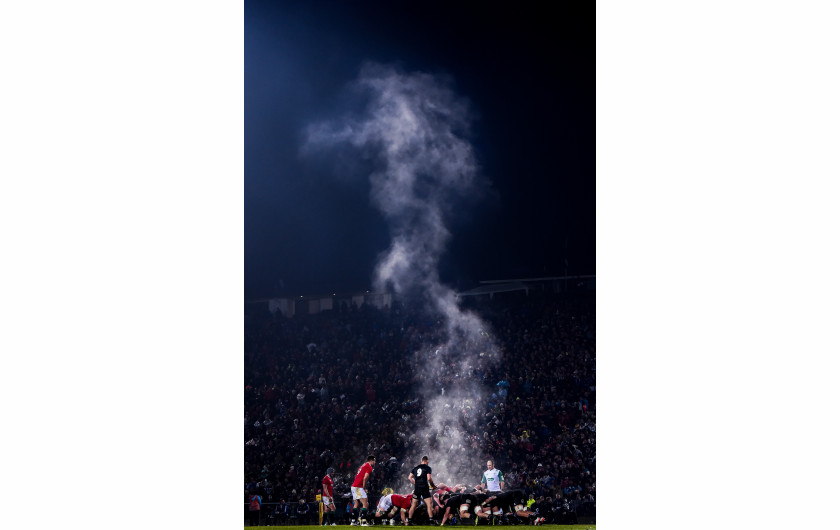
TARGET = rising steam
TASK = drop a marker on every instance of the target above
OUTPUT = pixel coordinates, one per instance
(415, 129)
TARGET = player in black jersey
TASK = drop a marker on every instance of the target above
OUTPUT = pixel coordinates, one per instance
(451, 504)
(512, 502)
(464, 505)
(421, 477)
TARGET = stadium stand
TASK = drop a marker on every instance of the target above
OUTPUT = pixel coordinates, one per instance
(323, 390)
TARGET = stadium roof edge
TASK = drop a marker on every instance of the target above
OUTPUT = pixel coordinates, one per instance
(544, 279)
(495, 288)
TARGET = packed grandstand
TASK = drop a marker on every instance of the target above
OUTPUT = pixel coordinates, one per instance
(323, 390)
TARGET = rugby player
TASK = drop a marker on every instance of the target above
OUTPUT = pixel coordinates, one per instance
(463, 504)
(437, 502)
(421, 477)
(393, 502)
(359, 491)
(327, 498)
(512, 502)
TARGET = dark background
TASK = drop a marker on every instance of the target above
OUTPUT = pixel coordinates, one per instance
(529, 74)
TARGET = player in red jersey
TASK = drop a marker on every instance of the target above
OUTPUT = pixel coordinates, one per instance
(359, 490)
(327, 497)
(393, 502)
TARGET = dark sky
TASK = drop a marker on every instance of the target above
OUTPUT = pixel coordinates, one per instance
(529, 75)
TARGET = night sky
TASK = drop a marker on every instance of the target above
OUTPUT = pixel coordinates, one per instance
(528, 74)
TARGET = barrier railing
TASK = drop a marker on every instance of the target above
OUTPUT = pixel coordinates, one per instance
(271, 516)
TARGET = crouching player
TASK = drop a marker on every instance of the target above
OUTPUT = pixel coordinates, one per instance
(464, 505)
(393, 502)
(437, 498)
(512, 502)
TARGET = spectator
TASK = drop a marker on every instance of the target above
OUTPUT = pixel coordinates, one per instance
(282, 512)
(302, 512)
(254, 505)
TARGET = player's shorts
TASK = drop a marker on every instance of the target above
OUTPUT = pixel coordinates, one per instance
(464, 508)
(358, 493)
(518, 507)
(384, 504)
(327, 500)
(422, 493)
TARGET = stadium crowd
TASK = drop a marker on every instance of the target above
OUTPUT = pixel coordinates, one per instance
(324, 390)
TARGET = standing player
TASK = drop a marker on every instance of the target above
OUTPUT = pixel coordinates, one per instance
(421, 477)
(327, 497)
(393, 502)
(493, 479)
(359, 490)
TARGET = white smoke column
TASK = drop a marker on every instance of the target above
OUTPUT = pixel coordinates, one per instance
(415, 128)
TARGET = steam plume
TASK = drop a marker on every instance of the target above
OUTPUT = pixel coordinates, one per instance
(415, 129)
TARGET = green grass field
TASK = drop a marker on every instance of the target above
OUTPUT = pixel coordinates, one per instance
(546, 526)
